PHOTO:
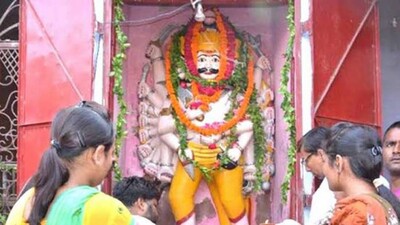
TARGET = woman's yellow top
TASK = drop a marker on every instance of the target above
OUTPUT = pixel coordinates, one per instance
(81, 205)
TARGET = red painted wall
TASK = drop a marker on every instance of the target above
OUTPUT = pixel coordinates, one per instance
(56, 48)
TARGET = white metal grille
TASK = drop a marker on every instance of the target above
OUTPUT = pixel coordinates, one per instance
(8, 123)
(9, 58)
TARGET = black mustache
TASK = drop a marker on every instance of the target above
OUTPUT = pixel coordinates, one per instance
(203, 70)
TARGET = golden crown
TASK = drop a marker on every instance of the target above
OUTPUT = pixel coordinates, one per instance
(208, 40)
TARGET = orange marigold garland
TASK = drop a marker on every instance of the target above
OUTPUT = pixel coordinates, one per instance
(223, 46)
(226, 49)
(190, 54)
(207, 98)
(232, 49)
(202, 130)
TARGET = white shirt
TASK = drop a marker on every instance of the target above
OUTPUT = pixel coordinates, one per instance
(140, 220)
(323, 202)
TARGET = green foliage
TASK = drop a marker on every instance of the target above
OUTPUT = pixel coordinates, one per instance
(3, 219)
(117, 69)
(5, 168)
(238, 82)
(259, 139)
(289, 113)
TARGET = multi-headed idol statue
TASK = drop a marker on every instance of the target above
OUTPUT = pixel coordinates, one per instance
(209, 115)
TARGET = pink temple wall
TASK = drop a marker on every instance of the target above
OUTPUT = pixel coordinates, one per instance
(271, 24)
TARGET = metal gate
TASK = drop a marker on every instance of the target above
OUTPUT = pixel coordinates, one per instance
(56, 70)
(9, 57)
(346, 62)
(8, 123)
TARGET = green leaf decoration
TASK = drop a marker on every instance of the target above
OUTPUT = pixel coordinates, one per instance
(118, 90)
(287, 107)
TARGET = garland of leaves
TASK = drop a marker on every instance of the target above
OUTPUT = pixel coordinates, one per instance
(117, 68)
(289, 114)
(239, 83)
(177, 62)
(289, 117)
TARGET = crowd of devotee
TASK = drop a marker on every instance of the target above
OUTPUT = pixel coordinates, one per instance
(348, 157)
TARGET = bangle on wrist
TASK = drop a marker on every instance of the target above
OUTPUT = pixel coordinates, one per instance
(258, 67)
(236, 145)
(159, 58)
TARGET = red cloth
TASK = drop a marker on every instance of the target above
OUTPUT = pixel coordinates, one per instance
(354, 211)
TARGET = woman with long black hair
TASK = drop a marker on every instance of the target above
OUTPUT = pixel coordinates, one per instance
(353, 164)
(80, 156)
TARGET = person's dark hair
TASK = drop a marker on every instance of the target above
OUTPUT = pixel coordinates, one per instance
(130, 189)
(27, 185)
(74, 130)
(314, 139)
(392, 126)
(362, 146)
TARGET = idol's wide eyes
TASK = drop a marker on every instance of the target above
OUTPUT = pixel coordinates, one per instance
(215, 59)
(202, 59)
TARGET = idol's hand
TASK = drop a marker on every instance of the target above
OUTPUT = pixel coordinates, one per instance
(185, 155)
(194, 114)
(263, 63)
(143, 89)
(153, 52)
(234, 154)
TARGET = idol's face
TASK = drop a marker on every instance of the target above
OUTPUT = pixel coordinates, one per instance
(208, 64)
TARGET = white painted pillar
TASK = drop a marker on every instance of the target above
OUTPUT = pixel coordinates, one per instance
(98, 53)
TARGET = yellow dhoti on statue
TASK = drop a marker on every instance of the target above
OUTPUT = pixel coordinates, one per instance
(225, 188)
